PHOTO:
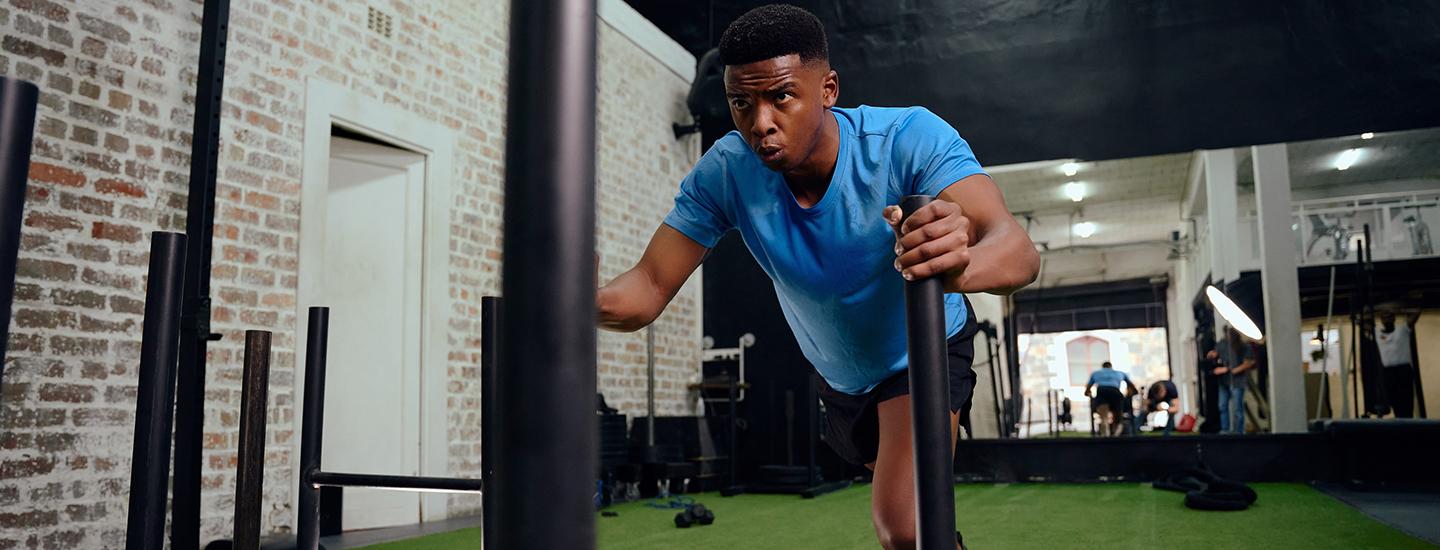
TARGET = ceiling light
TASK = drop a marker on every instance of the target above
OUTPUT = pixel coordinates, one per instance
(1233, 314)
(1070, 168)
(1075, 190)
(1084, 229)
(1347, 159)
(1367, 135)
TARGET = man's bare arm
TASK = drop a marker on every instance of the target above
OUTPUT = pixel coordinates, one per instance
(1002, 257)
(634, 299)
(1243, 366)
(968, 236)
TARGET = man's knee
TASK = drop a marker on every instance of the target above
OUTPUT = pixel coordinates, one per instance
(896, 537)
(895, 528)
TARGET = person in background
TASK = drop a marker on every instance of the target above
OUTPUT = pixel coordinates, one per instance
(1234, 377)
(1394, 343)
(1109, 396)
(1164, 393)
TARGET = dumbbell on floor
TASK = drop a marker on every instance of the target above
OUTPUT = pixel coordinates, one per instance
(693, 514)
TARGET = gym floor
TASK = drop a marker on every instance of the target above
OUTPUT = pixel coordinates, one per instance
(1128, 515)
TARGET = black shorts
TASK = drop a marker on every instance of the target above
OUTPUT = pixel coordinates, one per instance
(852, 425)
(1112, 396)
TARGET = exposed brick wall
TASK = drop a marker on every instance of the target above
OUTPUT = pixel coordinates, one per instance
(111, 162)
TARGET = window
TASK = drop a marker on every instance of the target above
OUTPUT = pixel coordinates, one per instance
(1085, 355)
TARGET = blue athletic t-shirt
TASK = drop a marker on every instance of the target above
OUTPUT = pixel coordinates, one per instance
(1108, 377)
(833, 263)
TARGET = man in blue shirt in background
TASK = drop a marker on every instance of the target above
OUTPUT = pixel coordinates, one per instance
(1110, 396)
(812, 189)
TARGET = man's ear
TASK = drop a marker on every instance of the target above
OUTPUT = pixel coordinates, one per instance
(831, 86)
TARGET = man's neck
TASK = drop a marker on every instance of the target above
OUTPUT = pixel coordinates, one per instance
(809, 181)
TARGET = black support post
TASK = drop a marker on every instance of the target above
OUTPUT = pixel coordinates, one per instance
(250, 479)
(155, 399)
(199, 223)
(312, 424)
(489, 413)
(17, 131)
(549, 445)
(930, 405)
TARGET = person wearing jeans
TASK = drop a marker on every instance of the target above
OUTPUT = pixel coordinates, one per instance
(1233, 380)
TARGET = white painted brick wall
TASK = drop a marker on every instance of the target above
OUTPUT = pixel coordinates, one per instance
(111, 163)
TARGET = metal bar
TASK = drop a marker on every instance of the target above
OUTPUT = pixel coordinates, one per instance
(930, 405)
(195, 322)
(1325, 348)
(995, 386)
(155, 396)
(17, 131)
(1419, 384)
(312, 427)
(1369, 312)
(549, 445)
(733, 421)
(250, 478)
(650, 384)
(402, 483)
(812, 472)
(489, 413)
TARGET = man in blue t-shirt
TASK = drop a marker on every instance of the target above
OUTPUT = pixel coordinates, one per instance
(812, 189)
(1110, 397)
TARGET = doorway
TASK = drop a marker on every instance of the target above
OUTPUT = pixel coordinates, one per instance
(374, 247)
(371, 280)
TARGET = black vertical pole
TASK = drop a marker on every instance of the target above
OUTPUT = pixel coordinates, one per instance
(17, 132)
(1415, 368)
(1376, 367)
(195, 322)
(1356, 318)
(155, 395)
(489, 415)
(930, 405)
(250, 479)
(812, 471)
(995, 368)
(312, 425)
(548, 444)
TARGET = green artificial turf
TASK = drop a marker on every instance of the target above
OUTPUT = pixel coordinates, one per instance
(1017, 516)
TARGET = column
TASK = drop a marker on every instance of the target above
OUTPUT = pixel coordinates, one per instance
(1279, 281)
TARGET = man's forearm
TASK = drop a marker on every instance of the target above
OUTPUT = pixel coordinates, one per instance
(999, 264)
(628, 303)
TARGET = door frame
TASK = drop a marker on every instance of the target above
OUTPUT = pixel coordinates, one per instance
(328, 104)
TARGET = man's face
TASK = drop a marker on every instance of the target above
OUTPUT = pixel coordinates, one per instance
(1387, 320)
(779, 106)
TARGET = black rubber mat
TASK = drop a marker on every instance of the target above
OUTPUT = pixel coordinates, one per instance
(1413, 511)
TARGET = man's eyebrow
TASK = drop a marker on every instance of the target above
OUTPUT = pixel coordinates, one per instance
(780, 87)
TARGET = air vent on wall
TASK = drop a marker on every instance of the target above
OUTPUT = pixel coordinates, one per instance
(379, 22)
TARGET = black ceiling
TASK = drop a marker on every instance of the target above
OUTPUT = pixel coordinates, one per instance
(1030, 80)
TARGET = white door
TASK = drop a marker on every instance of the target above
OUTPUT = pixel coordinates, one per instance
(370, 278)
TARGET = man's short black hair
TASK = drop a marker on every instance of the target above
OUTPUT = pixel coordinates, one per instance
(772, 31)
(1105, 365)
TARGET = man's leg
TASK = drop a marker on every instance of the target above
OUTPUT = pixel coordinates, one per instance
(1237, 402)
(1225, 409)
(1400, 389)
(1102, 415)
(892, 502)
